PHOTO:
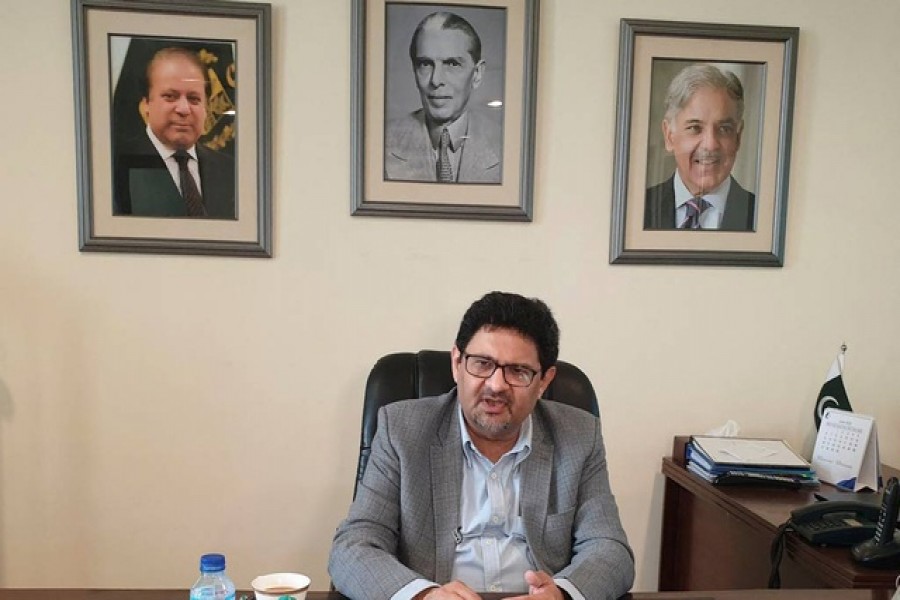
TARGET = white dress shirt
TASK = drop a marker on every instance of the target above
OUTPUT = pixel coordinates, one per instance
(491, 552)
(168, 156)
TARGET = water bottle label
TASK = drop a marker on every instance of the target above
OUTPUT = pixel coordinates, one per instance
(209, 593)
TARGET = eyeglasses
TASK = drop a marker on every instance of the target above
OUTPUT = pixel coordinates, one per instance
(483, 367)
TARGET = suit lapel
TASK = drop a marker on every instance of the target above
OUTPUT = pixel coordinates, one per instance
(535, 494)
(151, 189)
(659, 208)
(477, 155)
(477, 158)
(446, 475)
(667, 209)
(738, 212)
(217, 179)
(414, 149)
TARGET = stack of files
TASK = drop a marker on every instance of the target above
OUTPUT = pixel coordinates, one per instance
(748, 461)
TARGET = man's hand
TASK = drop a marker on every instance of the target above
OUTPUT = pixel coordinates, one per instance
(449, 591)
(540, 585)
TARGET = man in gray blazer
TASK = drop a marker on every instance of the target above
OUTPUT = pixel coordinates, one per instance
(702, 129)
(445, 141)
(487, 488)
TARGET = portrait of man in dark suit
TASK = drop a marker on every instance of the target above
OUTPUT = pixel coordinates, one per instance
(447, 139)
(162, 170)
(702, 129)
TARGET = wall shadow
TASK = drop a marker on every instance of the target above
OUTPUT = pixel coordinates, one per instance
(6, 412)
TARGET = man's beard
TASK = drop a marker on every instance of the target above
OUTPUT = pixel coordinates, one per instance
(490, 425)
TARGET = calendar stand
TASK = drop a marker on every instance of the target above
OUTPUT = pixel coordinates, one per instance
(846, 452)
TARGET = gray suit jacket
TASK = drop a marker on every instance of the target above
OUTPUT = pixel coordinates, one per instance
(401, 524)
(659, 207)
(408, 154)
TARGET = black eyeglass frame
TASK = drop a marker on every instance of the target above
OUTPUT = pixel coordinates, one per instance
(465, 356)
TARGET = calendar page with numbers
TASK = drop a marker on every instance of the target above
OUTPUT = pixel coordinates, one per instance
(846, 452)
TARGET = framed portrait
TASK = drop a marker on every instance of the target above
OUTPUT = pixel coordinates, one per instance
(703, 142)
(167, 163)
(443, 108)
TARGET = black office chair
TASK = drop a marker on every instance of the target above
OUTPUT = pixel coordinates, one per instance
(407, 375)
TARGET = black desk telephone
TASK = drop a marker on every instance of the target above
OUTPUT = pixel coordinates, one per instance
(866, 527)
(836, 522)
(863, 525)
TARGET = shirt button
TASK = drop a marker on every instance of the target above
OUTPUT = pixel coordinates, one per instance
(488, 541)
(495, 588)
(495, 519)
(494, 476)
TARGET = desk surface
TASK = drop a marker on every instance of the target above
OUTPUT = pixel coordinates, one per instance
(70, 594)
(706, 526)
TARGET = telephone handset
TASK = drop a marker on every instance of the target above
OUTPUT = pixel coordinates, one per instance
(883, 550)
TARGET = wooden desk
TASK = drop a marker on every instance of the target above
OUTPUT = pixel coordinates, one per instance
(719, 538)
(68, 594)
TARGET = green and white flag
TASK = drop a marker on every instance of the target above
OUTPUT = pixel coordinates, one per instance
(833, 392)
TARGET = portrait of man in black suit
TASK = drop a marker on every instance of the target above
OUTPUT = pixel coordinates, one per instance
(163, 170)
(702, 129)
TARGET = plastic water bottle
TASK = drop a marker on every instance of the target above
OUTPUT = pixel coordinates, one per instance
(213, 583)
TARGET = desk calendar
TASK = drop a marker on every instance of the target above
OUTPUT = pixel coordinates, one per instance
(846, 452)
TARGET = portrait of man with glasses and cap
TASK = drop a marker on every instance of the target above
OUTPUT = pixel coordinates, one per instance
(521, 502)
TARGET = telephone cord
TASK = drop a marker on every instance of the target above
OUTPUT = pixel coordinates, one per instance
(776, 552)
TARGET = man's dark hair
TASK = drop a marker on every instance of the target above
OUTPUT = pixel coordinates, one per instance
(528, 316)
(448, 20)
(170, 52)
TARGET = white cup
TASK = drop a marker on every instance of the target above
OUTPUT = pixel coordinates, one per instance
(278, 585)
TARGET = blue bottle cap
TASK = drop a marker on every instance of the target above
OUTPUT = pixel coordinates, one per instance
(211, 563)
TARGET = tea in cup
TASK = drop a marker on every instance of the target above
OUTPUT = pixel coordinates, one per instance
(277, 586)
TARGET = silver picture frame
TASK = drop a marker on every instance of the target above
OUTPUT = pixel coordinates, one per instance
(106, 35)
(647, 51)
(382, 80)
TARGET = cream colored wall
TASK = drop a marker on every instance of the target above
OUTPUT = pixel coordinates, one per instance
(155, 407)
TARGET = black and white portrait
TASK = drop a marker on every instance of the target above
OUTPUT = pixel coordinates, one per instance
(445, 67)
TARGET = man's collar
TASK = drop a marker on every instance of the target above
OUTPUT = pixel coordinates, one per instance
(164, 150)
(458, 130)
(715, 197)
